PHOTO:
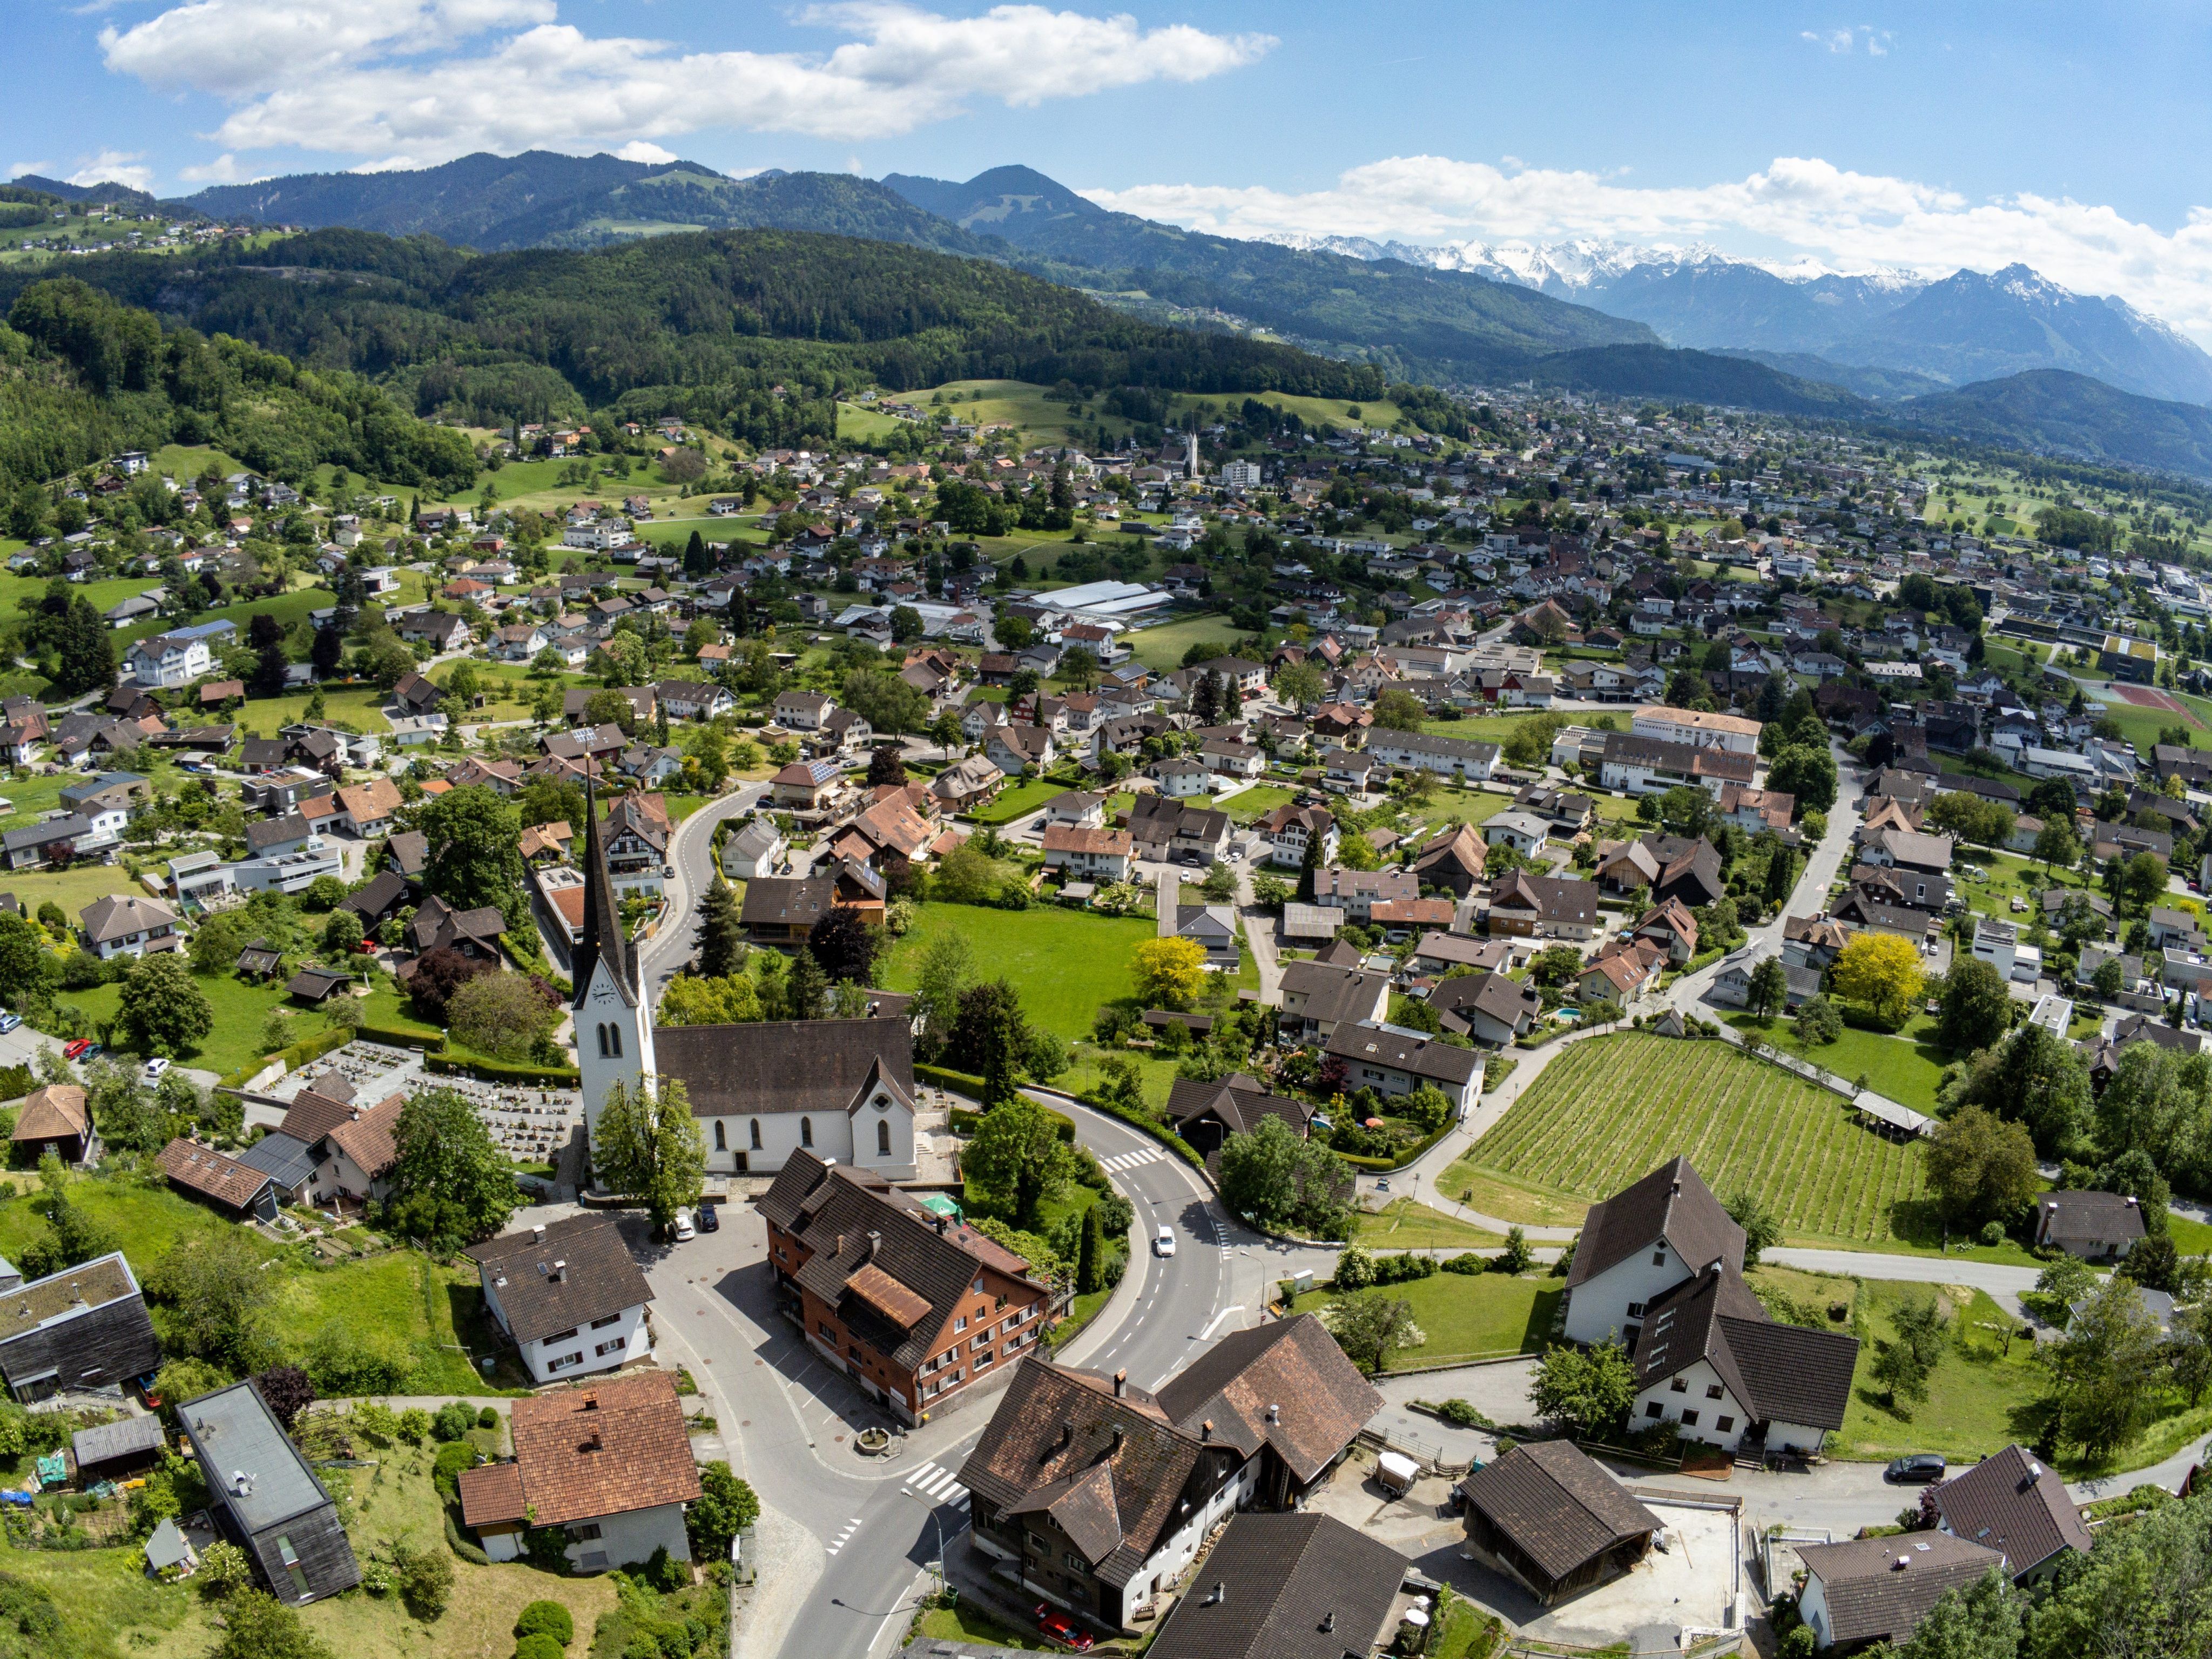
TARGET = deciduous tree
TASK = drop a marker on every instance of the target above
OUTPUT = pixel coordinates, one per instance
(161, 1011)
(1590, 1388)
(1979, 1169)
(450, 1184)
(1880, 971)
(1169, 972)
(648, 1147)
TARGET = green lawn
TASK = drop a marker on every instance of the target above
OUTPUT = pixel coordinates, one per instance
(1466, 1315)
(2190, 1237)
(70, 889)
(1159, 1075)
(358, 706)
(1978, 1396)
(240, 1009)
(1248, 805)
(1450, 806)
(1905, 1067)
(1402, 1224)
(1064, 963)
(1018, 801)
(966, 1622)
(2008, 874)
(1609, 1111)
(856, 424)
(1162, 646)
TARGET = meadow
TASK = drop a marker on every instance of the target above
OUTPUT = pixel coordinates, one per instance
(1064, 963)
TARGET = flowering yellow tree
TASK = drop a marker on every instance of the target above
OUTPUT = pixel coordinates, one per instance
(1881, 972)
(1169, 972)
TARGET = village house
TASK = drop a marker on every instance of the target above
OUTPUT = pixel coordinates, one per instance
(268, 1499)
(569, 1295)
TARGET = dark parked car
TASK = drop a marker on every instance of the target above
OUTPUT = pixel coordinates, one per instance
(708, 1220)
(1920, 1466)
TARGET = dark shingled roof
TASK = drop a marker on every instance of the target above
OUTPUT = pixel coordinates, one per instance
(2015, 1502)
(1556, 1505)
(603, 938)
(1292, 1364)
(598, 1278)
(1292, 1587)
(787, 1066)
(1869, 1596)
(1109, 1471)
(826, 1207)
(1672, 1203)
(1780, 1373)
(1238, 1101)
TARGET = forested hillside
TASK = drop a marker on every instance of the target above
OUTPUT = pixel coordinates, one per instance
(83, 376)
(755, 330)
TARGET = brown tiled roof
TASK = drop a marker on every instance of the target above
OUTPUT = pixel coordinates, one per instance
(603, 1449)
(367, 1140)
(1673, 1203)
(1294, 1366)
(1302, 1586)
(216, 1175)
(597, 1276)
(1070, 838)
(1109, 1471)
(490, 1493)
(313, 1115)
(376, 799)
(2015, 1502)
(1869, 1596)
(53, 1113)
(1559, 1507)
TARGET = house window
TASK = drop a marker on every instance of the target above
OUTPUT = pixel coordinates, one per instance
(1722, 1425)
(1712, 1391)
(1651, 1410)
(1075, 1563)
(1636, 1310)
(722, 1136)
(559, 1336)
(827, 1336)
(615, 1347)
(565, 1361)
(961, 1323)
(806, 1132)
(1680, 1385)
(291, 1560)
(883, 1137)
(1689, 1419)
(1658, 1258)
(756, 1134)
(584, 1533)
(601, 1324)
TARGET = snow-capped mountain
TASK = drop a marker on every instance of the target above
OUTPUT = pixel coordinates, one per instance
(1967, 326)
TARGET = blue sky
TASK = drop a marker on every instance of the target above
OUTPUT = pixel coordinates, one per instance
(2062, 137)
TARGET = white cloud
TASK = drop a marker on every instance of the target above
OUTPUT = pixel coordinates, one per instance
(416, 81)
(1808, 208)
(117, 166)
(18, 169)
(644, 150)
(1843, 41)
(1838, 40)
(223, 170)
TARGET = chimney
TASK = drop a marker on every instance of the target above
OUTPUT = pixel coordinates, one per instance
(1122, 1384)
(1218, 1594)
(875, 1243)
(944, 1225)
(1205, 1430)
(590, 1402)
(537, 1233)
(597, 1443)
(1903, 1562)
(839, 1250)
(559, 1268)
(1328, 1619)
(1274, 1414)
(1675, 1190)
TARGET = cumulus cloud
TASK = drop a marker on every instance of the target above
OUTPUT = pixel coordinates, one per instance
(114, 167)
(414, 81)
(18, 169)
(1810, 209)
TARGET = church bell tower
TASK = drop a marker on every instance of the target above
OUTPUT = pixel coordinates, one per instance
(614, 1016)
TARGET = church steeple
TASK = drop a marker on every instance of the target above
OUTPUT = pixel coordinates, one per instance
(603, 939)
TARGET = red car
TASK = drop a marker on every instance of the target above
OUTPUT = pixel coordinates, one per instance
(71, 1051)
(1054, 1625)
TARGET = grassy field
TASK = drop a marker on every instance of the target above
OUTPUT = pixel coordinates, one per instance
(1162, 647)
(429, 1309)
(965, 1622)
(1018, 801)
(240, 1009)
(1450, 806)
(1905, 1067)
(1514, 1201)
(1466, 1315)
(1248, 805)
(1064, 963)
(1609, 1111)
(1978, 1396)
(1481, 728)
(70, 889)
(1402, 1224)
(2008, 877)
(1158, 1075)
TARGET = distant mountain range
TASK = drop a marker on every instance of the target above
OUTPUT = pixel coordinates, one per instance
(1966, 327)
(2008, 357)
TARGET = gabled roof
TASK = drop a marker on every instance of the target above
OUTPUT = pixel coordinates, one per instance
(1557, 1506)
(597, 1277)
(2015, 1502)
(605, 1448)
(1672, 1203)
(764, 1066)
(367, 1139)
(1291, 1368)
(1302, 1586)
(53, 1113)
(1239, 1101)
(1869, 1596)
(1780, 1373)
(216, 1175)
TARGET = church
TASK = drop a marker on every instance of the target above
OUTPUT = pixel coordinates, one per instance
(841, 1090)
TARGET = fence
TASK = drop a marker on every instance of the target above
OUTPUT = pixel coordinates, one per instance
(1429, 1454)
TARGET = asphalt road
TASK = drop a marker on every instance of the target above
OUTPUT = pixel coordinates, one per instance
(787, 1419)
(691, 850)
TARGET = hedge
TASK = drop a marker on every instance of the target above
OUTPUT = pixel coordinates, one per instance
(501, 1070)
(1408, 1156)
(963, 1082)
(964, 1122)
(430, 1043)
(1159, 1131)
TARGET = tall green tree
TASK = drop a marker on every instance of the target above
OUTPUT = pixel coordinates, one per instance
(2103, 1370)
(216, 1298)
(1769, 989)
(805, 986)
(988, 1038)
(161, 1010)
(1016, 1159)
(1977, 1007)
(721, 932)
(475, 852)
(1590, 1388)
(450, 1184)
(648, 1148)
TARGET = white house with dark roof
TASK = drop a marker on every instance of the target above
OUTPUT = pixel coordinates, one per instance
(1640, 1243)
(569, 1295)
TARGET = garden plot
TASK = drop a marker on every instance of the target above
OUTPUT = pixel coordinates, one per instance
(1610, 1109)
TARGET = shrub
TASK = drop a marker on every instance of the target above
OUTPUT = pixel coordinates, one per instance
(546, 1619)
(1460, 1415)
(424, 1579)
(1467, 1262)
(1355, 1270)
(486, 1418)
(1993, 1232)
(1398, 1269)
(454, 1419)
(502, 1015)
(346, 1361)
(224, 1570)
(445, 1472)
(659, 1571)
(548, 1549)
(413, 1425)
(538, 1647)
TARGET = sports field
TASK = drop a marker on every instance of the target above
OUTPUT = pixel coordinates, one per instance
(1612, 1108)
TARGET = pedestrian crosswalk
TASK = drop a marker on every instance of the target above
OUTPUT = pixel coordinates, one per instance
(939, 1485)
(1120, 1161)
(838, 1542)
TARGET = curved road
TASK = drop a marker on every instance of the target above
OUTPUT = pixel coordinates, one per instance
(691, 850)
(787, 1421)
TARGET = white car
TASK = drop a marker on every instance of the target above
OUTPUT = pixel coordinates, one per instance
(683, 1228)
(154, 1067)
(1163, 1244)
